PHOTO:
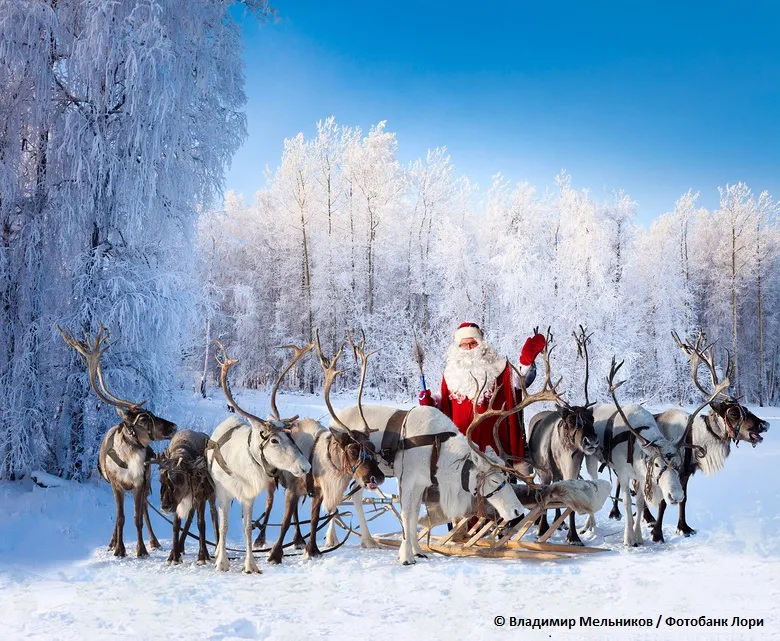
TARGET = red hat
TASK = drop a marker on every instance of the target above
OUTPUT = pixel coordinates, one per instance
(468, 330)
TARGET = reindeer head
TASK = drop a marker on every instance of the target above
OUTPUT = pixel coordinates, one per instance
(741, 424)
(270, 443)
(578, 426)
(144, 426)
(662, 476)
(180, 480)
(491, 484)
(138, 423)
(359, 457)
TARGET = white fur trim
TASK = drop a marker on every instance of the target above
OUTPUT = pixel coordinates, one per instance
(467, 332)
(463, 366)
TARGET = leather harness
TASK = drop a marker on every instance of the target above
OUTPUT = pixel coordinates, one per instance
(392, 443)
(610, 441)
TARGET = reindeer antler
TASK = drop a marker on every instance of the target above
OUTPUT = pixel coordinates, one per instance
(359, 352)
(92, 350)
(696, 354)
(613, 370)
(547, 393)
(582, 339)
(330, 372)
(225, 363)
(298, 353)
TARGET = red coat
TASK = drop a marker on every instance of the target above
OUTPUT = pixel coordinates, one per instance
(461, 412)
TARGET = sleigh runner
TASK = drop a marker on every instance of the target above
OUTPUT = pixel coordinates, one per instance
(488, 536)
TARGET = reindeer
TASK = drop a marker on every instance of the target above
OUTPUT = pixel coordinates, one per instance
(245, 460)
(336, 456)
(124, 451)
(185, 488)
(655, 464)
(710, 434)
(559, 440)
(423, 448)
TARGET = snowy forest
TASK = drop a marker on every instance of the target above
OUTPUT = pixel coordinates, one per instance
(117, 124)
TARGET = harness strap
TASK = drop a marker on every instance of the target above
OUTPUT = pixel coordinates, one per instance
(688, 456)
(630, 438)
(465, 471)
(392, 435)
(111, 452)
(608, 444)
(216, 445)
(310, 473)
(435, 461)
(424, 439)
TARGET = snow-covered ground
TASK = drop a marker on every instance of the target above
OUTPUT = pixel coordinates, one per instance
(58, 581)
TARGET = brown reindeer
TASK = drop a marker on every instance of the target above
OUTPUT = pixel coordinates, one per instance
(185, 488)
(124, 453)
(337, 456)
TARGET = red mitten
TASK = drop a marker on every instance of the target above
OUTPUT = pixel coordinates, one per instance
(532, 348)
(425, 398)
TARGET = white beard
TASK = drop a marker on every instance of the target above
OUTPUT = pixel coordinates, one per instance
(463, 366)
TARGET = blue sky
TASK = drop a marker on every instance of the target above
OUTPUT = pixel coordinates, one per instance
(651, 97)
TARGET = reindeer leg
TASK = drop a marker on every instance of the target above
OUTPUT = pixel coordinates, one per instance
(260, 540)
(203, 553)
(628, 532)
(118, 538)
(290, 502)
(412, 497)
(647, 516)
(154, 544)
(139, 496)
(682, 527)
(640, 504)
(174, 558)
(543, 524)
(331, 540)
(572, 538)
(614, 513)
(298, 541)
(186, 530)
(657, 532)
(312, 550)
(366, 540)
(250, 565)
(222, 562)
(214, 519)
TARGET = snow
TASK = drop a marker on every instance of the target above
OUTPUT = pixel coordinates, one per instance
(58, 581)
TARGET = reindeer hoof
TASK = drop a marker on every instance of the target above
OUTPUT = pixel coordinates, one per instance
(657, 536)
(686, 530)
(258, 544)
(275, 558)
(615, 514)
(119, 550)
(369, 544)
(252, 570)
(222, 566)
(421, 556)
(154, 544)
(311, 554)
(576, 542)
(409, 562)
(299, 544)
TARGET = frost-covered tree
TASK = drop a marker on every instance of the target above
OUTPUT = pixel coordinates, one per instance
(117, 122)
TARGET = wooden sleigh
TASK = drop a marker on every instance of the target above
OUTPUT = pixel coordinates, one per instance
(487, 537)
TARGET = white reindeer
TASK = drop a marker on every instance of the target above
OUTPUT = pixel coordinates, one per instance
(253, 454)
(636, 450)
(422, 448)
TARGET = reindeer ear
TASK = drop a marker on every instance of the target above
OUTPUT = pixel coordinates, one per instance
(342, 438)
(123, 414)
(562, 411)
(719, 407)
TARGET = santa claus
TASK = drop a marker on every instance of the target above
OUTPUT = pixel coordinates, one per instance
(470, 357)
